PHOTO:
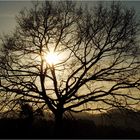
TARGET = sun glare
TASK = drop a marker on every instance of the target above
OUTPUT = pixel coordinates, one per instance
(52, 58)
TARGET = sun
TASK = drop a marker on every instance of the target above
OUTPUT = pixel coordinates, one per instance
(52, 58)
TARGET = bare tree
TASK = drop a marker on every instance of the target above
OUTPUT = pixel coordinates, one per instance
(97, 65)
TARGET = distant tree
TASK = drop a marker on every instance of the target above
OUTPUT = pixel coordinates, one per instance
(26, 114)
(26, 111)
(97, 65)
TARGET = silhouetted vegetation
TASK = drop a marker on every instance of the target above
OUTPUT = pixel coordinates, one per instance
(81, 128)
(99, 67)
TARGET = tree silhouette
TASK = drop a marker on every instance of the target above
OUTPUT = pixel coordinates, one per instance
(26, 114)
(98, 50)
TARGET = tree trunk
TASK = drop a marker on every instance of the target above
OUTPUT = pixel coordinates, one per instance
(58, 130)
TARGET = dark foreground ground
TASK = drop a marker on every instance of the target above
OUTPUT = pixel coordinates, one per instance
(17, 128)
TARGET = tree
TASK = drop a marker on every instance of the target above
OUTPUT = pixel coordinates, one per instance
(96, 64)
(26, 114)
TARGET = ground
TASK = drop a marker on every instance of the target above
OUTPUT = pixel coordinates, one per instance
(18, 128)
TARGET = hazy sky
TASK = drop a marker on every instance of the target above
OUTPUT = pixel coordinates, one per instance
(9, 9)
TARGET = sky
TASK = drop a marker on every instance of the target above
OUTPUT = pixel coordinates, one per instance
(8, 12)
(9, 9)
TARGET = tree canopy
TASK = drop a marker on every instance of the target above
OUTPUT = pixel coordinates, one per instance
(95, 58)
